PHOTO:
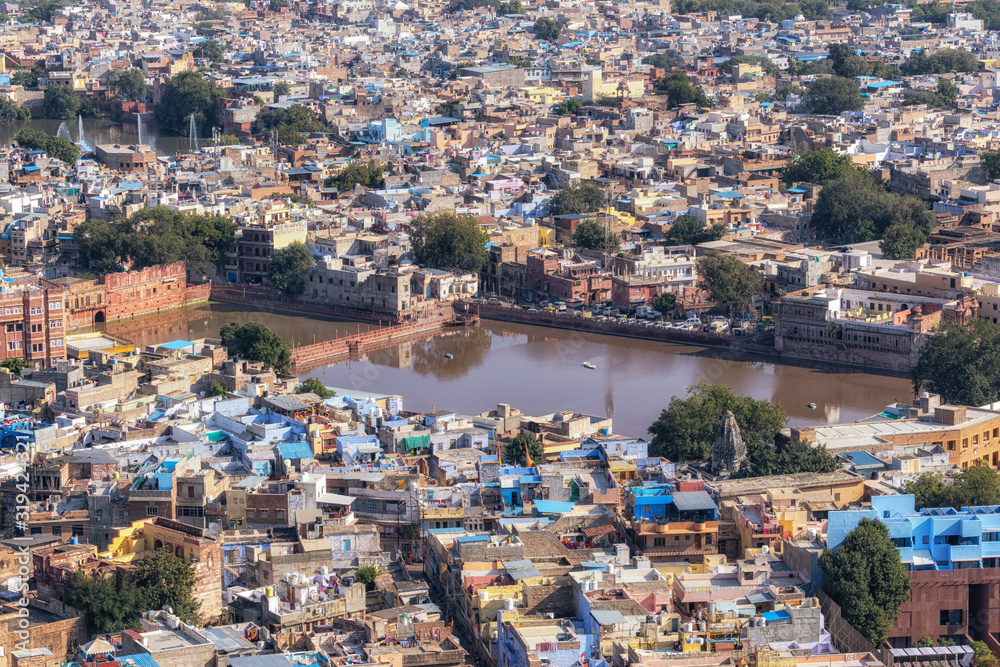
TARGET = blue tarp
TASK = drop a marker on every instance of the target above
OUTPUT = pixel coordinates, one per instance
(553, 507)
(176, 344)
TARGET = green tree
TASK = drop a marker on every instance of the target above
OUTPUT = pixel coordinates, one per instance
(277, 5)
(765, 64)
(61, 149)
(512, 7)
(818, 166)
(370, 174)
(15, 364)
(185, 94)
(314, 386)
(547, 29)
(217, 389)
(519, 62)
(366, 575)
(591, 234)
(166, 579)
(27, 78)
(289, 123)
(282, 88)
(678, 89)
(11, 111)
(959, 362)
(782, 93)
(927, 490)
(730, 283)
(786, 459)
(941, 62)
(901, 241)
(155, 235)
(128, 84)
(446, 240)
(690, 230)
(665, 302)
(448, 108)
(816, 10)
(288, 267)
(210, 50)
(976, 486)
(108, 607)
(577, 198)
(925, 642)
(686, 429)
(61, 102)
(255, 342)
(228, 140)
(991, 162)
(865, 576)
(854, 208)
(522, 446)
(569, 107)
(663, 61)
(982, 656)
(832, 95)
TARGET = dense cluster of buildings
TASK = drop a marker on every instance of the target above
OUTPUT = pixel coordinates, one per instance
(591, 554)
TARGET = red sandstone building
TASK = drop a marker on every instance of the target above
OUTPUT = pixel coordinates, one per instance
(33, 323)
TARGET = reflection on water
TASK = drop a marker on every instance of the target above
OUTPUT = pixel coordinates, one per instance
(205, 321)
(100, 131)
(539, 370)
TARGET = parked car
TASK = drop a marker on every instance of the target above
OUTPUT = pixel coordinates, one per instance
(493, 301)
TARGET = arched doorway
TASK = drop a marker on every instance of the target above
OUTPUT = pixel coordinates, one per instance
(99, 317)
(179, 552)
(157, 545)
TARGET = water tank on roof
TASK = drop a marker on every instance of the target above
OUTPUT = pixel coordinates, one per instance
(509, 603)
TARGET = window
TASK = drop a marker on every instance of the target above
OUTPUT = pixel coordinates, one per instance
(55, 305)
(38, 347)
(659, 541)
(37, 328)
(77, 530)
(992, 536)
(251, 514)
(190, 490)
(57, 342)
(951, 616)
(55, 324)
(152, 510)
(57, 530)
(263, 515)
(280, 515)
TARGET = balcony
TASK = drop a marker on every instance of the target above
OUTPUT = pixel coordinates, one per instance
(965, 552)
(676, 527)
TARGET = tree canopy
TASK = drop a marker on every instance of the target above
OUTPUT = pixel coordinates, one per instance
(848, 64)
(591, 234)
(515, 453)
(547, 29)
(568, 107)
(663, 61)
(210, 50)
(128, 84)
(314, 386)
(690, 230)
(39, 140)
(369, 174)
(973, 487)
(833, 95)
(819, 166)
(865, 576)
(665, 302)
(366, 574)
(11, 111)
(151, 236)
(854, 208)
(941, 62)
(945, 94)
(289, 123)
(991, 163)
(577, 198)
(959, 362)
(61, 102)
(446, 240)
(685, 430)
(730, 283)
(15, 364)
(185, 94)
(288, 267)
(159, 579)
(253, 341)
(679, 90)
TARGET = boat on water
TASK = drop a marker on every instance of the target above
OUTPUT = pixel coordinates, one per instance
(589, 365)
(811, 406)
(449, 355)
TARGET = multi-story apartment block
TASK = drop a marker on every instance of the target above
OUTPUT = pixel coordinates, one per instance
(33, 323)
(954, 562)
(670, 523)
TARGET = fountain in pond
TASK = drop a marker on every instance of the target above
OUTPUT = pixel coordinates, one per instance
(193, 135)
(80, 141)
(63, 132)
(138, 121)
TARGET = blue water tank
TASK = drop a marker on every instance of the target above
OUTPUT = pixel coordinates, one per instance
(74, 540)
